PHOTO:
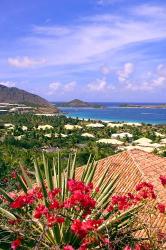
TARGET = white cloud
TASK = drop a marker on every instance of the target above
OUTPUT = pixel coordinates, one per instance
(89, 40)
(156, 81)
(25, 62)
(106, 2)
(126, 72)
(69, 86)
(61, 88)
(105, 70)
(100, 85)
(149, 10)
(161, 70)
(52, 30)
(8, 84)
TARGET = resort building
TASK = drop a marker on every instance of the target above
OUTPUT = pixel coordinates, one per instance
(44, 127)
(113, 125)
(122, 135)
(110, 141)
(95, 125)
(88, 135)
(143, 141)
(72, 127)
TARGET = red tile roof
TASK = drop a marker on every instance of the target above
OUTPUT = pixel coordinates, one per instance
(135, 166)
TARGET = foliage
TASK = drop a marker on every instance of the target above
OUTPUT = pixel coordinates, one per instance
(60, 208)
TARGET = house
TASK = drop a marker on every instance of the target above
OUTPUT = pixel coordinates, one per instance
(88, 135)
(133, 167)
(113, 125)
(159, 135)
(130, 147)
(163, 141)
(110, 141)
(24, 128)
(122, 135)
(44, 127)
(143, 141)
(71, 127)
(95, 125)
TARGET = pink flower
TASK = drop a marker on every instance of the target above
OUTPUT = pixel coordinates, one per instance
(68, 247)
(137, 247)
(127, 248)
(15, 244)
(163, 180)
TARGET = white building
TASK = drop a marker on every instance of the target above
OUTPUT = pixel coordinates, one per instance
(122, 135)
(110, 141)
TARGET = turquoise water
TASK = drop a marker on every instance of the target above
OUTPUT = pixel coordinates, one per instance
(113, 112)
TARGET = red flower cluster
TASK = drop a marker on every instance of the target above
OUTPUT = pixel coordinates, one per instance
(54, 205)
(74, 185)
(40, 210)
(145, 190)
(161, 207)
(22, 201)
(52, 194)
(36, 192)
(68, 247)
(122, 202)
(81, 200)
(163, 180)
(82, 228)
(52, 220)
(136, 247)
(80, 196)
(15, 244)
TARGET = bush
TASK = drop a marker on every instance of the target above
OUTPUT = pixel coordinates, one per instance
(60, 208)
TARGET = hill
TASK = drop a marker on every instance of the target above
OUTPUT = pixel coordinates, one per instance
(76, 103)
(14, 95)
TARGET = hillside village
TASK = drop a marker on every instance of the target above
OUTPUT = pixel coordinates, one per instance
(78, 133)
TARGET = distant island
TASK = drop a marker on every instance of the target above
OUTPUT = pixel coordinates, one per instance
(76, 103)
(147, 106)
(14, 100)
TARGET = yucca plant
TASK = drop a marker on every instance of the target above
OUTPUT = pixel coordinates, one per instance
(59, 208)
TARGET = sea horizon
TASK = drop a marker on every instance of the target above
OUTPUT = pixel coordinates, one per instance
(113, 112)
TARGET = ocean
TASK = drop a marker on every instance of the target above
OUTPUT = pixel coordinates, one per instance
(114, 112)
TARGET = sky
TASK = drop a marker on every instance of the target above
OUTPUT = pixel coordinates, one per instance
(94, 50)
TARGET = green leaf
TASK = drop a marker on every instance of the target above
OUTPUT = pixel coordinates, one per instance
(7, 197)
(22, 183)
(48, 174)
(40, 181)
(7, 214)
(26, 177)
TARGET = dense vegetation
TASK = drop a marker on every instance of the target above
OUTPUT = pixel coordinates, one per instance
(18, 144)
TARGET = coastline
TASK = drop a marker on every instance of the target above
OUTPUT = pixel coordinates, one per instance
(118, 114)
(108, 121)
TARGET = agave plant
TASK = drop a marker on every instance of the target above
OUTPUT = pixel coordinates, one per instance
(59, 208)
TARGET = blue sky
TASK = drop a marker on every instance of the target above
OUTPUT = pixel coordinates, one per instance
(95, 50)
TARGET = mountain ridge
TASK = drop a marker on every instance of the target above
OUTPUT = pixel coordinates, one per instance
(19, 96)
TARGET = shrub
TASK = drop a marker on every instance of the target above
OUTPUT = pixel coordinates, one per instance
(56, 209)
